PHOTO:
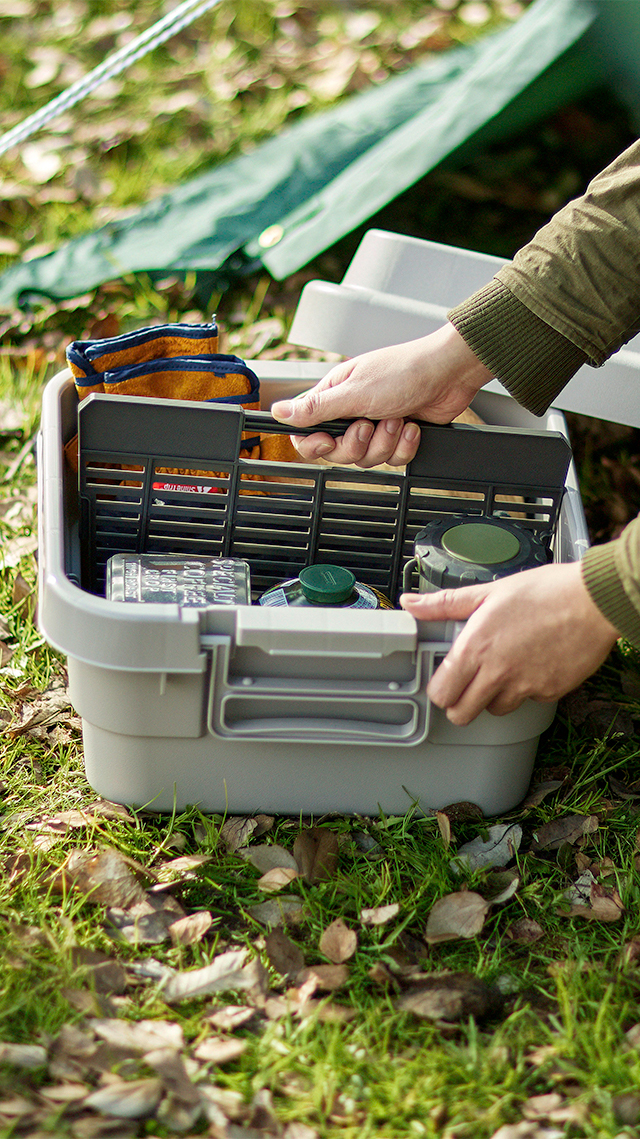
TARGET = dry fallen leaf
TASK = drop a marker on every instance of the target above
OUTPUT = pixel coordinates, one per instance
(540, 792)
(277, 879)
(527, 1130)
(88, 1003)
(64, 1093)
(539, 1106)
(147, 922)
(62, 822)
(328, 1012)
(299, 1131)
(379, 915)
(178, 869)
(190, 929)
(127, 1099)
(626, 1108)
(14, 549)
(17, 1112)
(219, 1049)
(70, 1045)
(524, 931)
(456, 915)
(367, 844)
(622, 790)
(326, 977)
(630, 952)
(580, 891)
(227, 971)
(49, 707)
(21, 591)
(497, 850)
(500, 886)
(338, 942)
(169, 1066)
(462, 812)
(569, 828)
(270, 857)
(381, 975)
(105, 809)
(450, 997)
(316, 853)
(605, 868)
(230, 1104)
(139, 1036)
(265, 824)
(444, 826)
(231, 1016)
(605, 904)
(105, 877)
(283, 910)
(554, 1109)
(29, 1056)
(27, 935)
(236, 832)
(106, 974)
(263, 1117)
(283, 953)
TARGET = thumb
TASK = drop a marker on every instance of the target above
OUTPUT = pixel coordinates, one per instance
(444, 604)
(327, 400)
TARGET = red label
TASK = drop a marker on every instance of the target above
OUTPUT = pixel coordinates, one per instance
(188, 489)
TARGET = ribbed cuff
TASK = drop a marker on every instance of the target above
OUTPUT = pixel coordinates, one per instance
(531, 359)
(601, 578)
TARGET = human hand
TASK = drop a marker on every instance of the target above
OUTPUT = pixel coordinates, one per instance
(433, 378)
(535, 634)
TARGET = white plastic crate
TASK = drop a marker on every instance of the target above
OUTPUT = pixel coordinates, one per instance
(247, 708)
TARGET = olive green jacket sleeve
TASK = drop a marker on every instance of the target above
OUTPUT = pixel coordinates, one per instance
(571, 296)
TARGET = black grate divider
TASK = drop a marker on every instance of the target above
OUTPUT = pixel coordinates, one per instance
(283, 516)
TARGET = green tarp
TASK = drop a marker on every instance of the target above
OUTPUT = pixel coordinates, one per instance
(299, 192)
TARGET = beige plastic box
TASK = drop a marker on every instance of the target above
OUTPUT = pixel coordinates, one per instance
(249, 708)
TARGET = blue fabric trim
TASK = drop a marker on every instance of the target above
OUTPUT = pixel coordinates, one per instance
(213, 365)
(82, 352)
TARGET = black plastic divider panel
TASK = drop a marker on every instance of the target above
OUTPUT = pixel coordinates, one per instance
(283, 516)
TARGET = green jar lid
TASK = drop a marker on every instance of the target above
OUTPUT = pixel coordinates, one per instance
(327, 585)
(483, 544)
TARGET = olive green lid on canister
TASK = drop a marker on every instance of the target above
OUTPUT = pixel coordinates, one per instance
(484, 545)
(473, 549)
(326, 584)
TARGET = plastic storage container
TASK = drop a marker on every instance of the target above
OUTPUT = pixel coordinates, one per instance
(398, 288)
(240, 708)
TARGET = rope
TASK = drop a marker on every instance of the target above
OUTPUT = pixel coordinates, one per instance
(113, 65)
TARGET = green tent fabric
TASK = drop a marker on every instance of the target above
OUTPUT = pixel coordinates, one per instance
(319, 179)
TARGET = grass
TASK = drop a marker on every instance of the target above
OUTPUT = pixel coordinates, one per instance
(568, 999)
(567, 1002)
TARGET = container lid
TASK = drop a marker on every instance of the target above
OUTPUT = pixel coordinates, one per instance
(477, 542)
(326, 584)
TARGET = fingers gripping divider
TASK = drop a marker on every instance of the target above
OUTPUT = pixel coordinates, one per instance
(164, 476)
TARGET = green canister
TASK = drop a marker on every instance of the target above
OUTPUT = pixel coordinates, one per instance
(470, 550)
(325, 586)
